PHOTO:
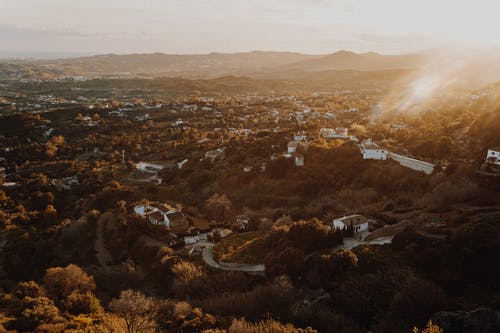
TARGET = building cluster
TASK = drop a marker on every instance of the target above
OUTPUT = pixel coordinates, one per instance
(165, 215)
(370, 150)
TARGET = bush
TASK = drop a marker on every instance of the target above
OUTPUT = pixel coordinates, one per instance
(38, 310)
(266, 326)
(417, 301)
(77, 303)
(28, 289)
(137, 310)
(269, 298)
(185, 273)
(62, 281)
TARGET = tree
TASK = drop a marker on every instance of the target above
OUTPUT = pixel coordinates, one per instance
(38, 310)
(185, 273)
(50, 214)
(343, 261)
(290, 261)
(430, 328)
(267, 326)
(60, 282)
(58, 140)
(87, 303)
(41, 180)
(358, 130)
(218, 205)
(417, 300)
(138, 310)
(28, 289)
(50, 149)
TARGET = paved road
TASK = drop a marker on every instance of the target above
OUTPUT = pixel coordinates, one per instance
(208, 257)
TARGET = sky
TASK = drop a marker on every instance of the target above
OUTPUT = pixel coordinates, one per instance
(75, 27)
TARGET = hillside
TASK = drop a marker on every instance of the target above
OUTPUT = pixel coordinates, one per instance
(345, 60)
(260, 64)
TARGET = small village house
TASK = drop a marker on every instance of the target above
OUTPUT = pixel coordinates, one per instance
(292, 146)
(372, 151)
(165, 215)
(359, 223)
(242, 222)
(216, 154)
(493, 156)
(342, 131)
(299, 160)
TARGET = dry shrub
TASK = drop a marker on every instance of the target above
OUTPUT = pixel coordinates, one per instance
(185, 274)
(266, 326)
(354, 200)
(451, 192)
(62, 281)
(181, 310)
(269, 298)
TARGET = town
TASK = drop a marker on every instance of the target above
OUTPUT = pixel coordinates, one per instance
(241, 204)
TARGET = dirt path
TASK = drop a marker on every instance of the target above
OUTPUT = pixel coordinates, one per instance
(103, 255)
(3, 242)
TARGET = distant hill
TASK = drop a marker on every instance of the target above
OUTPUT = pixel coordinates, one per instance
(345, 60)
(259, 64)
(196, 65)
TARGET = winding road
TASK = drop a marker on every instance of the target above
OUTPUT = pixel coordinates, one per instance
(208, 257)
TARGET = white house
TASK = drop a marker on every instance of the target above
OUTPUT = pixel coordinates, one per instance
(189, 240)
(149, 167)
(372, 151)
(338, 133)
(359, 223)
(341, 131)
(299, 160)
(493, 155)
(163, 214)
(216, 154)
(327, 132)
(292, 146)
(300, 136)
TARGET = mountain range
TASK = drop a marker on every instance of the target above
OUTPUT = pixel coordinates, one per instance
(260, 64)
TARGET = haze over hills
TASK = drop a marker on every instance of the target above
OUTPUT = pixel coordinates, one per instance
(422, 73)
(346, 60)
(257, 63)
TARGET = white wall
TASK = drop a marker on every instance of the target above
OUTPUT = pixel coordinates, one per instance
(375, 154)
(338, 224)
(494, 154)
(413, 164)
(357, 228)
(361, 227)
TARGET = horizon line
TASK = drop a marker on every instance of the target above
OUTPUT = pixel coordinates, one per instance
(56, 55)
